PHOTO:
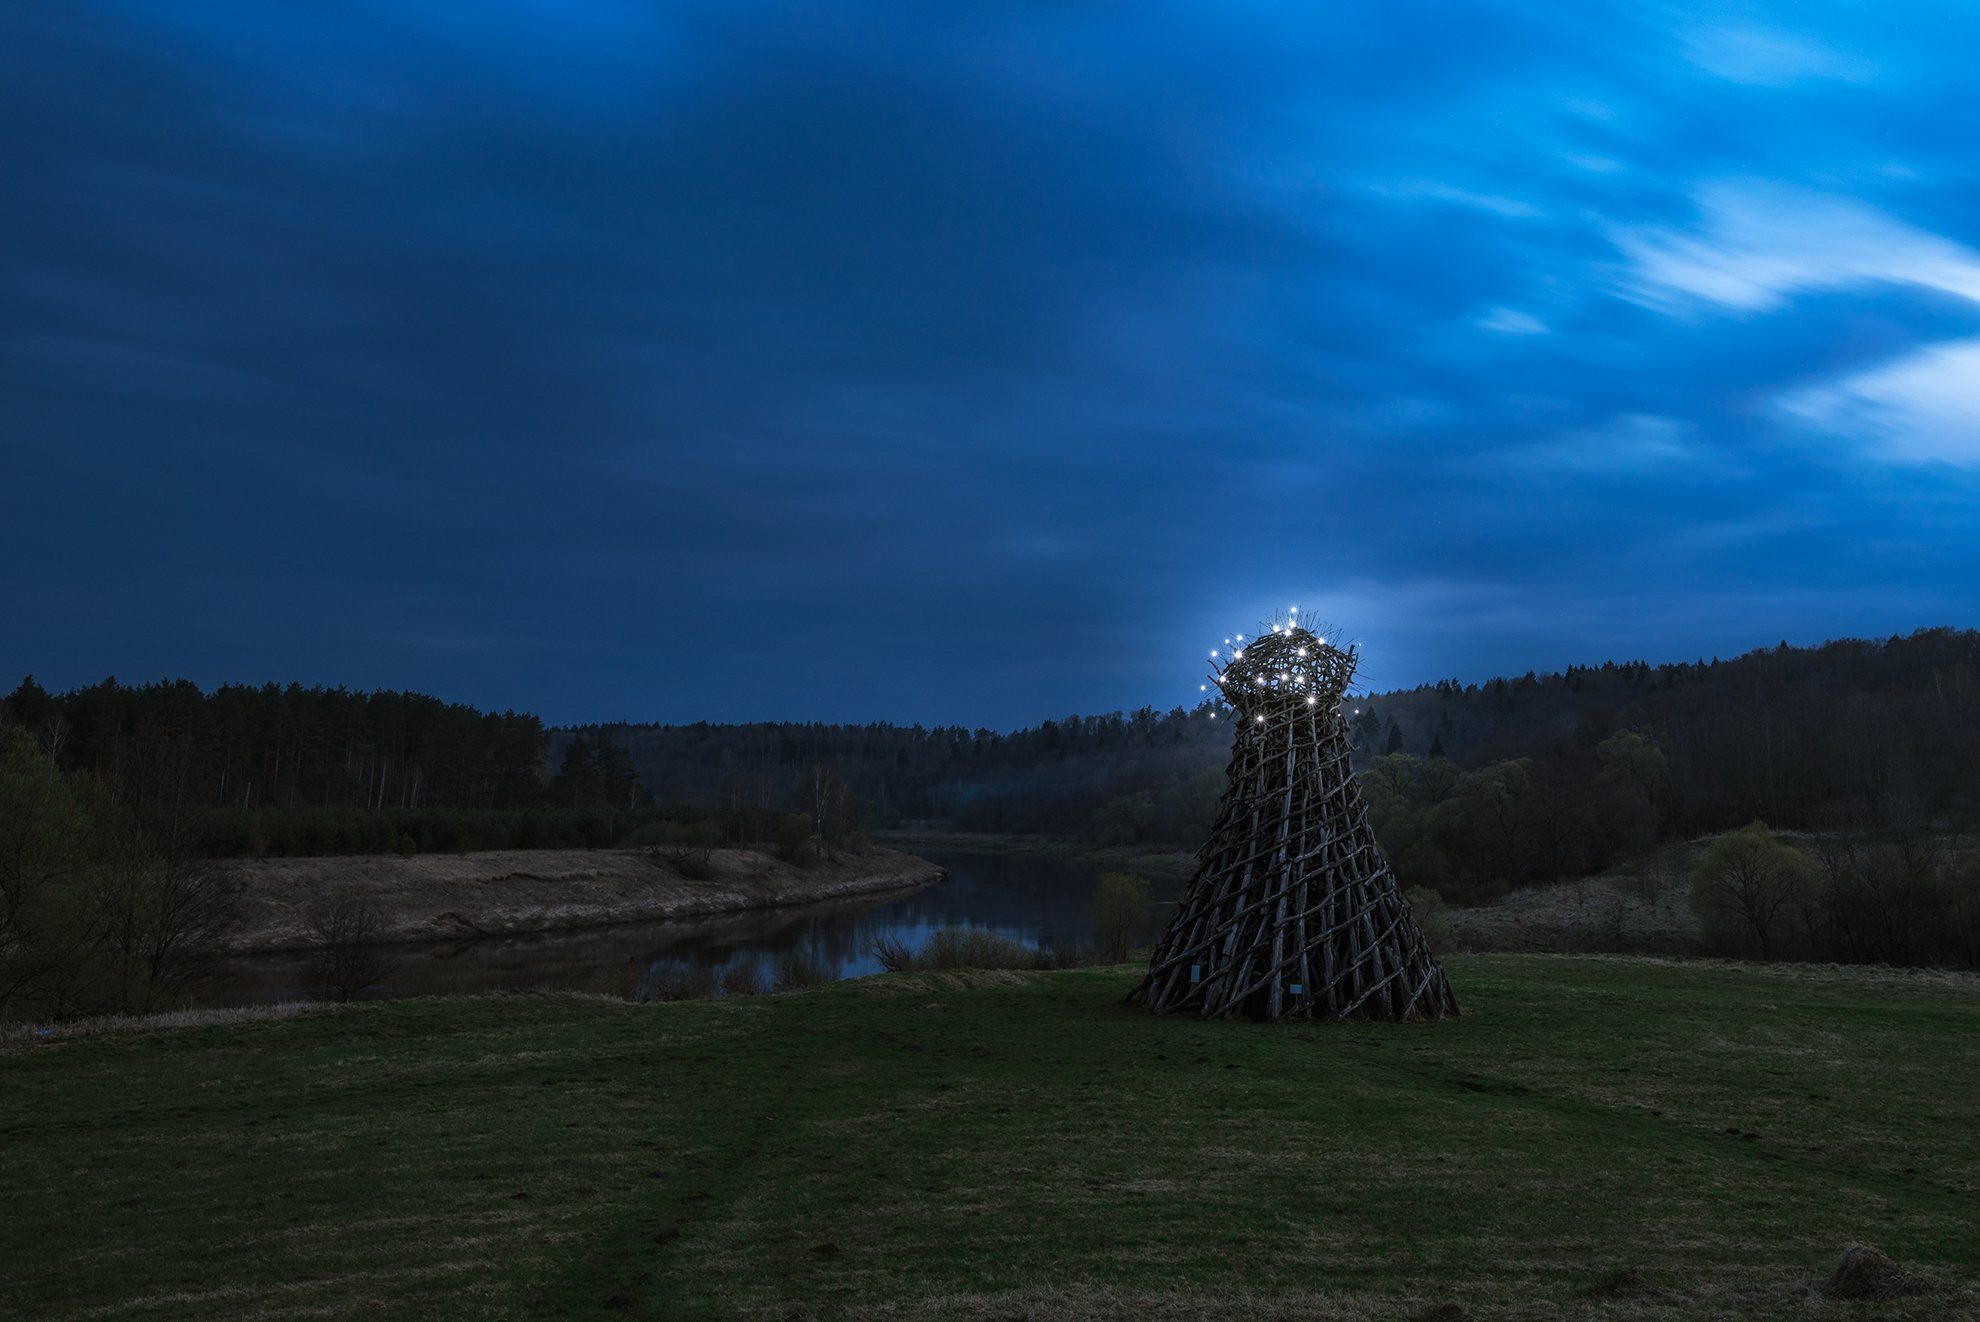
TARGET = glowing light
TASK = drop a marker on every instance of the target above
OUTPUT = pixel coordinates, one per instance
(1240, 637)
(1302, 651)
(1323, 640)
(1213, 653)
(1310, 700)
(1292, 610)
(1237, 654)
(1261, 720)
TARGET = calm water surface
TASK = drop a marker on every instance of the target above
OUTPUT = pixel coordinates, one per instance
(1039, 899)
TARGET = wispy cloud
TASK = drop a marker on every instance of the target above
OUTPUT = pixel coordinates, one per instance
(1634, 443)
(1511, 321)
(1431, 190)
(1756, 244)
(1770, 57)
(1922, 408)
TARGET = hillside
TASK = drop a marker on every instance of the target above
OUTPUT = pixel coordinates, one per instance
(1852, 732)
(1598, 1138)
(1492, 784)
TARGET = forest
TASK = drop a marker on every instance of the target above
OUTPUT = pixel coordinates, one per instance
(1509, 780)
(1473, 787)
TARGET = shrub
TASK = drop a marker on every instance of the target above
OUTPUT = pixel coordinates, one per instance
(974, 948)
(1120, 907)
(744, 979)
(1432, 915)
(680, 982)
(793, 839)
(348, 933)
(1751, 891)
(964, 948)
(797, 969)
(893, 954)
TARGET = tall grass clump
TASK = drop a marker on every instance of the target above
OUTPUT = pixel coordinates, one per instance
(798, 969)
(974, 948)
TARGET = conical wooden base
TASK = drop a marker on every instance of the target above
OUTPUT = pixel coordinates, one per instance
(1294, 912)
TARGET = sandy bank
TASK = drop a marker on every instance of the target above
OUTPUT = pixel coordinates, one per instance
(504, 892)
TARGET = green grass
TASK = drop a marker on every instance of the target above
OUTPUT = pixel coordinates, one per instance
(1595, 1138)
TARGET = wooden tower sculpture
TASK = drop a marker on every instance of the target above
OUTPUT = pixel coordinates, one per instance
(1294, 911)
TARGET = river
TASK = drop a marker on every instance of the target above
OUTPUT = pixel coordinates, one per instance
(1040, 899)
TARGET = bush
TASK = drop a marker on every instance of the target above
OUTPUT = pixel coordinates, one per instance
(893, 954)
(1432, 915)
(1752, 891)
(744, 979)
(1120, 907)
(974, 948)
(798, 969)
(684, 982)
(963, 948)
(793, 839)
(348, 933)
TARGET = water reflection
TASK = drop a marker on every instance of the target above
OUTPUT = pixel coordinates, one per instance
(1042, 900)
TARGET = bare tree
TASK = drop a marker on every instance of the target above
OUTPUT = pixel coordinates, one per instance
(348, 928)
(826, 797)
(164, 916)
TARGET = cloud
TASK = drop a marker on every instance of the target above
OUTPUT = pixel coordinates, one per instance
(1769, 57)
(1922, 408)
(926, 335)
(1431, 190)
(1511, 321)
(1757, 243)
(1631, 444)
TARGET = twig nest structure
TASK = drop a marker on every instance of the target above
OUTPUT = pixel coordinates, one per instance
(1291, 665)
(1293, 911)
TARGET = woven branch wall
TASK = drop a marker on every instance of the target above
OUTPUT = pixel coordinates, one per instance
(1294, 911)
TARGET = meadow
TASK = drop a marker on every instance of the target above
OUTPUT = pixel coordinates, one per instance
(1599, 1137)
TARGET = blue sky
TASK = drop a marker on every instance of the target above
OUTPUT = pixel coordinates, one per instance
(974, 363)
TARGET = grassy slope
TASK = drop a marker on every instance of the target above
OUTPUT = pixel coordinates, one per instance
(913, 1146)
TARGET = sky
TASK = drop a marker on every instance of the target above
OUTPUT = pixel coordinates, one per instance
(974, 363)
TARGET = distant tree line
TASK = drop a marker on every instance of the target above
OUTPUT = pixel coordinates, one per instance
(246, 771)
(1839, 897)
(1853, 732)
(1474, 787)
(168, 745)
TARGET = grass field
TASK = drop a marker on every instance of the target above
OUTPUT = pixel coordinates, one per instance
(1597, 1137)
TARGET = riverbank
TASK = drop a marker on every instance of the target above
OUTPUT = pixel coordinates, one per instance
(447, 897)
(1595, 1138)
(1166, 864)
